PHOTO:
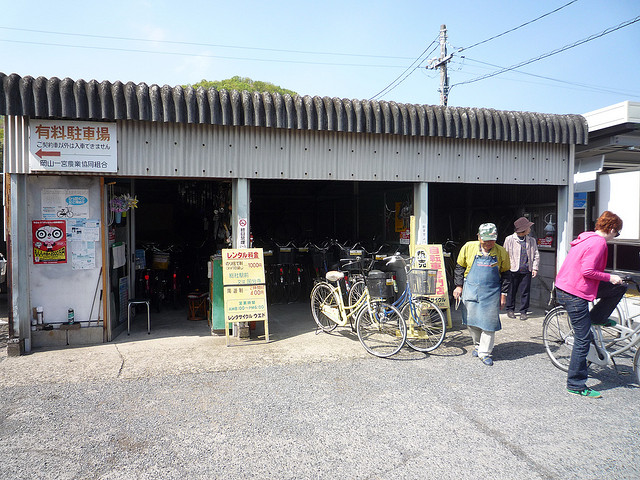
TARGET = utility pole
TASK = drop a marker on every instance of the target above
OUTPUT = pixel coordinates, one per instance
(441, 63)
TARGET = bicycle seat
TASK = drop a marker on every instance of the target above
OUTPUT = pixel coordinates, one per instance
(334, 276)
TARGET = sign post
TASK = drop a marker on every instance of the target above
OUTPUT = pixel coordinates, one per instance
(245, 292)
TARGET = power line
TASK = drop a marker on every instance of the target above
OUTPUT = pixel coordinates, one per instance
(173, 42)
(553, 52)
(389, 87)
(202, 55)
(519, 26)
(566, 82)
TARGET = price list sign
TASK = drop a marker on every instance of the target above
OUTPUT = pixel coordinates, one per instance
(245, 294)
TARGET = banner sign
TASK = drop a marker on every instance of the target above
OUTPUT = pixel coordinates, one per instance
(430, 257)
(49, 241)
(70, 146)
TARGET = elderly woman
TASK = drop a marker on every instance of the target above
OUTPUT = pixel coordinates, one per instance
(580, 280)
(482, 281)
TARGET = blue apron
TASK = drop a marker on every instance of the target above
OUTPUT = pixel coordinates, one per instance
(481, 294)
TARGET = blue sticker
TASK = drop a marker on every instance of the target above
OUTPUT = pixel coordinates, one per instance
(77, 200)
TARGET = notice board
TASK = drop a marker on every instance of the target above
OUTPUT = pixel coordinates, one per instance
(243, 282)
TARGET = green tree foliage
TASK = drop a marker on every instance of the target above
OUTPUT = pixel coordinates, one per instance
(243, 83)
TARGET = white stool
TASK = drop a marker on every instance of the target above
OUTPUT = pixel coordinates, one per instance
(138, 301)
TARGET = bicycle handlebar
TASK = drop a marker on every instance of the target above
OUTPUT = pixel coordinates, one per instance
(628, 280)
(395, 257)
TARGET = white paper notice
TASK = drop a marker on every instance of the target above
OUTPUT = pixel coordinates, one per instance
(119, 255)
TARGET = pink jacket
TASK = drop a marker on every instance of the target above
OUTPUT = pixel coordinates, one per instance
(583, 269)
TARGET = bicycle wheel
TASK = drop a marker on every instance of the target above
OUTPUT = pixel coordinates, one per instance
(356, 291)
(323, 295)
(381, 329)
(557, 335)
(426, 326)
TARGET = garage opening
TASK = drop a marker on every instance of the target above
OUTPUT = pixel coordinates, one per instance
(305, 228)
(174, 230)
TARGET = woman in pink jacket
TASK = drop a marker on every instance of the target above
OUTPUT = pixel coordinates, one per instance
(580, 280)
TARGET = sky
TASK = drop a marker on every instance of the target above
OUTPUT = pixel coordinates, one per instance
(342, 48)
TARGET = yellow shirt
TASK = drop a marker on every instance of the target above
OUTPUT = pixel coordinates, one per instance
(470, 249)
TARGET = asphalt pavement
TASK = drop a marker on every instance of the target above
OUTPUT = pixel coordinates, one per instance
(311, 406)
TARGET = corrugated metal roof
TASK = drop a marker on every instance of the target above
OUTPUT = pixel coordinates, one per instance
(81, 100)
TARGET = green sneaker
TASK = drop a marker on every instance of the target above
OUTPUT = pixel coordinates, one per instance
(586, 392)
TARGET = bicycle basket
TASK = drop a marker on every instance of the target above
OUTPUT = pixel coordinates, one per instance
(377, 284)
(160, 261)
(423, 282)
(286, 255)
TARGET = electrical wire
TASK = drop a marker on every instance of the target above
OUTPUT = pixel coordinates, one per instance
(519, 26)
(389, 87)
(595, 88)
(173, 42)
(553, 52)
(269, 60)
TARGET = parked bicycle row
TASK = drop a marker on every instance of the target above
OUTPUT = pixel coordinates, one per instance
(384, 319)
(292, 270)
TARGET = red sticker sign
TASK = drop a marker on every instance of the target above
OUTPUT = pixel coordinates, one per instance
(49, 241)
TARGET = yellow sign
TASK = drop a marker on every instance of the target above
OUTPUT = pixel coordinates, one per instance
(245, 292)
(242, 266)
(247, 303)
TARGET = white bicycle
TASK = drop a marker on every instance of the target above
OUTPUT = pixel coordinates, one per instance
(609, 341)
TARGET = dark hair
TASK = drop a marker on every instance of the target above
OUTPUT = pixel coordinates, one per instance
(609, 221)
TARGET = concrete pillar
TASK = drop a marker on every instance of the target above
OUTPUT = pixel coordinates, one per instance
(240, 196)
(421, 212)
(18, 247)
(564, 227)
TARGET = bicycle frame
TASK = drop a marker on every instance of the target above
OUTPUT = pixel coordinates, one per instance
(344, 313)
(602, 354)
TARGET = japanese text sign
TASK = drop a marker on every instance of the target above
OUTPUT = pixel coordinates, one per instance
(70, 146)
(242, 266)
(430, 257)
(246, 303)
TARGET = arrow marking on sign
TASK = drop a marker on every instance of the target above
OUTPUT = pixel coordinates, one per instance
(42, 153)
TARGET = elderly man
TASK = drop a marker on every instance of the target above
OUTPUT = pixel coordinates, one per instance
(524, 257)
(482, 282)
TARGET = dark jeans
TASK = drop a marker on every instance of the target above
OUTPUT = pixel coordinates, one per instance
(518, 279)
(581, 319)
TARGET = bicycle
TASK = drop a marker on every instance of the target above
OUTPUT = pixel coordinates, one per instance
(65, 212)
(380, 327)
(608, 341)
(426, 326)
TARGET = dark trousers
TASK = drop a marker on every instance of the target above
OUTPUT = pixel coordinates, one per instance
(581, 319)
(519, 279)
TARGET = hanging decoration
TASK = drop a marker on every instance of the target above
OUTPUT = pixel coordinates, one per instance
(119, 204)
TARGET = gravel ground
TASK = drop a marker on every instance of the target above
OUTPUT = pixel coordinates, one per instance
(309, 406)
